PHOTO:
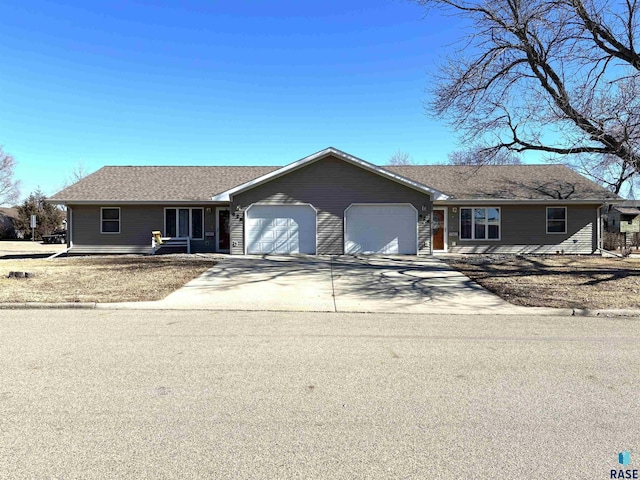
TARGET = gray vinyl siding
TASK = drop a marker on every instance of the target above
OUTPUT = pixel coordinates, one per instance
(330, 185)
(523, 230)
(136, 224)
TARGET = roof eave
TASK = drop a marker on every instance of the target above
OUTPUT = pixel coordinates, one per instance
(133, 202)
(528, 201)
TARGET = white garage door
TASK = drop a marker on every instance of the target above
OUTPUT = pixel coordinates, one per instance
(387, 228)
(280, 229)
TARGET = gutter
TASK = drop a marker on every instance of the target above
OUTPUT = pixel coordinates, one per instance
(137, 202)
(511, 201)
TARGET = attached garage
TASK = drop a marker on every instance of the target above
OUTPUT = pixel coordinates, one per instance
(381, 228)
(280, 229)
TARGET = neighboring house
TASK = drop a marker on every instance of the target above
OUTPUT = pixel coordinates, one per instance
(623, 220)
(332, 203)
(7, 217)
(624, 217)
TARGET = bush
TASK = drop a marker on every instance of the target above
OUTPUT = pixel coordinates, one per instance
(7, 233)
(616, 241)
(612, 240)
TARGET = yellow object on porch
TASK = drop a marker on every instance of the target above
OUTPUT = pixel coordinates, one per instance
(157, 236)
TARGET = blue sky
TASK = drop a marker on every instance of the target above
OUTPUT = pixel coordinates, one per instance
(215, 83)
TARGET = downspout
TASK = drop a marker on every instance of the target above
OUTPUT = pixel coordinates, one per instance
(599, 234)
(69, 228)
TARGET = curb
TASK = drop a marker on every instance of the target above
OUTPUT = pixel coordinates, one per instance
(43, 306)
(584, 312)
(158, 305)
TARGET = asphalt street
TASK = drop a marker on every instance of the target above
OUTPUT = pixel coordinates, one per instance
(201, 394)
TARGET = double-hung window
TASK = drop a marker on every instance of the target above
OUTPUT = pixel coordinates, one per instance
(480, 223)
(184, 222)
(556, 219)
(110, 220)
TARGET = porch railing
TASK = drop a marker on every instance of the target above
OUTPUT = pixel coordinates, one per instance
(169, 242)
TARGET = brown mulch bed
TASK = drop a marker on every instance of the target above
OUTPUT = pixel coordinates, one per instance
(556, 281)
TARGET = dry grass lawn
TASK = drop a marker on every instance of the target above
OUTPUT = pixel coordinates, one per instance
(122, 278)
(557, 281)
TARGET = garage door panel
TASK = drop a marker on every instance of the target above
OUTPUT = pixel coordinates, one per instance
(281, 229)
(382, 229)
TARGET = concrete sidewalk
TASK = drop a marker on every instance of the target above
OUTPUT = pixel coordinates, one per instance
(393, 284)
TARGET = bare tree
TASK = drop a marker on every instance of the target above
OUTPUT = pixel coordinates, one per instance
(555, 76)
(78, 173)
(609, 171)
(401, 158)
(9, 188)
(482, 155)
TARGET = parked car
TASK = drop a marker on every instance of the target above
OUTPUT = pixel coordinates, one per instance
(58, 236)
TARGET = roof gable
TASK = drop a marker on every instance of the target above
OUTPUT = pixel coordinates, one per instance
(334, 152)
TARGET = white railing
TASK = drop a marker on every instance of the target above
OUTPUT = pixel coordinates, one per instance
(170, 242)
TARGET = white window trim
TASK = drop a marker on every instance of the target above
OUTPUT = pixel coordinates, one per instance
(190, 220)
(473, 226)
(103, 220)
(566, 221)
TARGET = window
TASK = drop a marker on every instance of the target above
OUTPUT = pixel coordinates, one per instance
(110, 220)
(480, 223)
(556, 219)
(196, 223)
(184, 222)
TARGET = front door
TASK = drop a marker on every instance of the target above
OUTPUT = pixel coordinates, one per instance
(222, 229)
(438, 229)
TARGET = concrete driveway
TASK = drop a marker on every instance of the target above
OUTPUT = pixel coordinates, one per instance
(393, 284)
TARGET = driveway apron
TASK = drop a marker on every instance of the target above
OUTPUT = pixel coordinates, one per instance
(275, 283)
(401, 284)
(393, 284)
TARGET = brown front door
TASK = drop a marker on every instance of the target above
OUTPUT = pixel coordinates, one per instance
(438, 229)
(223, 231)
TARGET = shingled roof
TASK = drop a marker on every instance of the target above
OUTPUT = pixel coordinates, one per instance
(627, 210)
(151, 184)
(506, 182)
(189, 184)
